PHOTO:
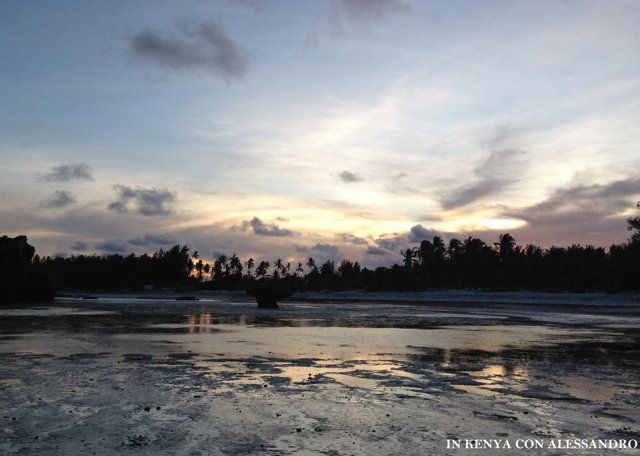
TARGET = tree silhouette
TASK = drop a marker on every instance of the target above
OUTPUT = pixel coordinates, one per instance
(633, 224)
(461, 264)
(311, 265)
(506, 245)
(249, 264)
(262, 269)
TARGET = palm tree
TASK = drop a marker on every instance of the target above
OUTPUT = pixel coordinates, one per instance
(199, 270)
(506, 245)
(224, 266)
(633, 224)
(311, 264)
(299, 269)
(249, 264)
(262, 269)
(235, 265)
(407, 255)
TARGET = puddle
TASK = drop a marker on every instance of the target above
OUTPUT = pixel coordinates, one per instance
(588, 389)
(354, 382)
(52, 312)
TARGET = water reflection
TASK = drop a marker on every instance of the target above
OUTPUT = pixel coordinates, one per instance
(356, 373)
(200, 323)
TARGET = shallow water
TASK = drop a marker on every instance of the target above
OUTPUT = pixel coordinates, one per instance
(220, 376)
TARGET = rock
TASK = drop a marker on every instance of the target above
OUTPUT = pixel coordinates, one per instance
(269, 291)
(20, 278)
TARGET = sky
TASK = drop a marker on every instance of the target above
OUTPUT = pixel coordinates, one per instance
(325, 129)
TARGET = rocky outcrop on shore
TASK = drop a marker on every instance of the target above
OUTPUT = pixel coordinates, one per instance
(22, 279)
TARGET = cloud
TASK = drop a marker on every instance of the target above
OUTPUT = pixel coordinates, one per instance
(118, 206)
(263, 229)
(154, 239)
(349, 177)
(419, 233)
(79, 246)
(396, 242)
(351, 239)
(325, 252)
(218, 253)
(606, 199)
(66, 173)
(300, 248)
(590, 212)
(145, 201)
(377, 251)
(59, 199)
(580, 212)
(393, 243)
(369, 11)
(114, 246)
(206, 47)
(500, 169)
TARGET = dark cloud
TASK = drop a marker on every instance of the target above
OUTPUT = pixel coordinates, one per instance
(351, 239)
(218, 254)
(144, 201)
(377, 251)
(262, 228)
(114, 246)
(419, 233)
(580, 212)
(369, 11)
(606, 199)
(70, 172)
(500, 169)
(79, 246)
(397, 242)
(206, 47)
(349, 177)
(324, 252)
(393, 243)
(300, 248)
(154, 239)
(118, 206)
(59, 199)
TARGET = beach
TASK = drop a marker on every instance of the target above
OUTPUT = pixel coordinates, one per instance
(357, 373)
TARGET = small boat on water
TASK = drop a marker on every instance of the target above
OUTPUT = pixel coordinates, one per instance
(186, 298)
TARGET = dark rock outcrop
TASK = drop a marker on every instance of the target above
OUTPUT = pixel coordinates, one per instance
(21, 279)
(269, 291)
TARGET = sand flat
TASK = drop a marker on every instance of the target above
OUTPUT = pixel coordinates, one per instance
(222, 377)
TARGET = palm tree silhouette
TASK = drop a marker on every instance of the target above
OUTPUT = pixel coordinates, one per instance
(249, 264)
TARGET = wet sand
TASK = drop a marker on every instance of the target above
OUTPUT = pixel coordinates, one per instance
(218, 376)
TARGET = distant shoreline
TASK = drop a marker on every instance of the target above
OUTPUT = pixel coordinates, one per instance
(450, 297)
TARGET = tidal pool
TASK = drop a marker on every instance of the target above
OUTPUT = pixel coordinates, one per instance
(219, 376)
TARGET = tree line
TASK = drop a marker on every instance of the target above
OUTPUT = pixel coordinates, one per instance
(467, 263)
